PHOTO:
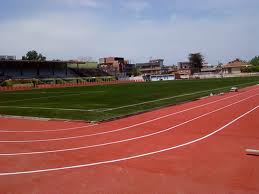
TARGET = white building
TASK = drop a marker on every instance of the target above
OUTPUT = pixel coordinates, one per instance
(162, 77)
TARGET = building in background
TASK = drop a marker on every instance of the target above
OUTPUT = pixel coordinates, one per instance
(7, 57)
(211, 69)
(112, 64)
(173, 69)
(153, 67)
(185, 69)
(128, 69)
(116, 66)
(234, 67)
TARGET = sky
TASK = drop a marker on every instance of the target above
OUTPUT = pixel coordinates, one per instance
(222, 30)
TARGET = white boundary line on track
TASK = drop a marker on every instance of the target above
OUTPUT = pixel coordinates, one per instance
(101, 133)
(130, 157)
(125, 140)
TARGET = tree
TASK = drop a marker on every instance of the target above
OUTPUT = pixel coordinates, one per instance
(135, 71)
(196, 59)
(255, 61)
(33, 55)
(250, 69)
(41, 57)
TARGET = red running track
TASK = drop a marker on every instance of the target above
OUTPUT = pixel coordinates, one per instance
(196, 147)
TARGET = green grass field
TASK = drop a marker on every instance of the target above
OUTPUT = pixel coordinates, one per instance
(110, 101)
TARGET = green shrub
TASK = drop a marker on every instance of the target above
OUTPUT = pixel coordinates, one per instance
(250, 69)
(19, 82)
(255, 61)
(7, 83)
(48, 81)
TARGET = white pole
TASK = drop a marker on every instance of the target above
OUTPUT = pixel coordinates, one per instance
(252, 152)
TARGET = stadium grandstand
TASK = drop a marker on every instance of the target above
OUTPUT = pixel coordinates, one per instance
(12, 69)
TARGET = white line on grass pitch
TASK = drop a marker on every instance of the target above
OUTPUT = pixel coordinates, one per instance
(37, 92)
(48, 108)
(171, 97)
(110, 109)
(36, 98)
(47, 97)
(40, 131)
(22, 93)
(130, 157)
(124, 140)
(101, 133)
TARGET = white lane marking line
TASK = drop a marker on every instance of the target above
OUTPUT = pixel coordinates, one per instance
(100, 133)
(125, 140)
(130, 157)
(51, 108)
(161, 99)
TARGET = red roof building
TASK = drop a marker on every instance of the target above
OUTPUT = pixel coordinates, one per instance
(234, 66)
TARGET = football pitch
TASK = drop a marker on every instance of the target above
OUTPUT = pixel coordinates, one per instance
(98, 103)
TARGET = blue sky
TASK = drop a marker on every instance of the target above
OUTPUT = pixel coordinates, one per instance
(136, 29)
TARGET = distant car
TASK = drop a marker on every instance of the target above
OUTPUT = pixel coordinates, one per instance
(234, 89)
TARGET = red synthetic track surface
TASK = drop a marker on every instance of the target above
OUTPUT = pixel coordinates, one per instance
(66, 85)
(197, 147)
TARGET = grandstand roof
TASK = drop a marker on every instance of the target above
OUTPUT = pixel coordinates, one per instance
(31, 62)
